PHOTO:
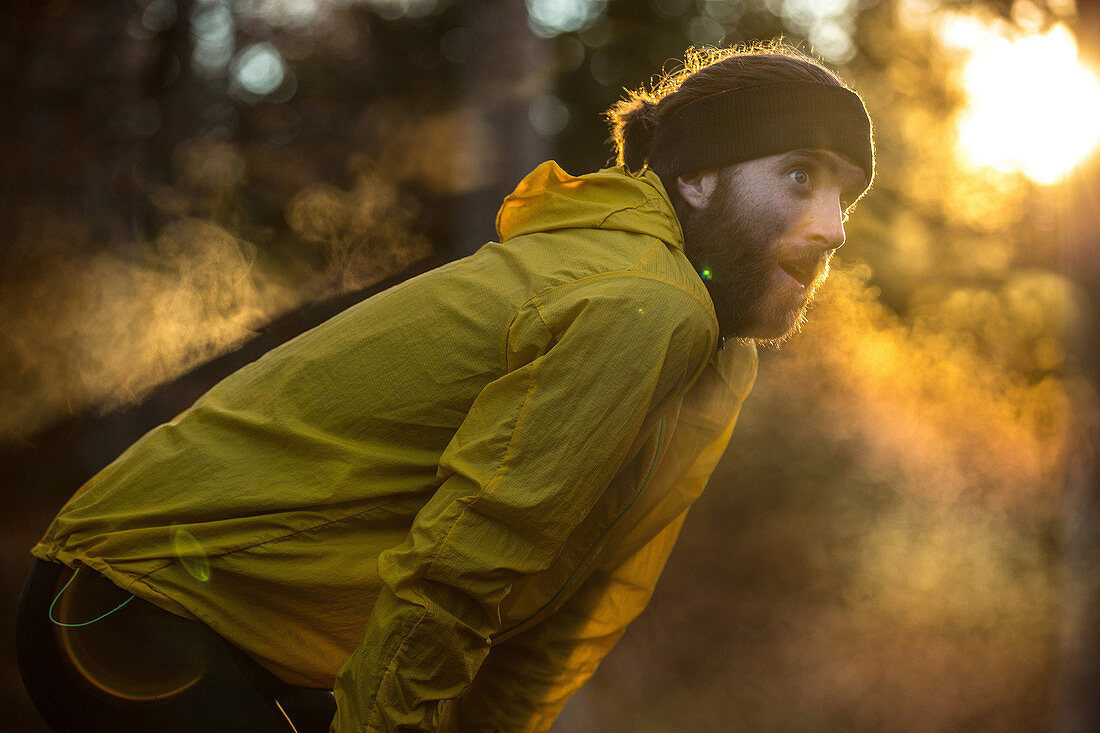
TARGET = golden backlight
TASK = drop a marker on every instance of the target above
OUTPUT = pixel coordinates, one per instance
(1031, 106)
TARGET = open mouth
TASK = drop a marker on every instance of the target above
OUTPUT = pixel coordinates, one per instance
(803, 272)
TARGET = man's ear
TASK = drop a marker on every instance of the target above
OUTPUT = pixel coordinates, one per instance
(697, 188)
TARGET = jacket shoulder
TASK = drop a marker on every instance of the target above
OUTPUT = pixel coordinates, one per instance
(629, 304)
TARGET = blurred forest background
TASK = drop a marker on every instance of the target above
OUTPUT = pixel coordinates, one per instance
(903, 534)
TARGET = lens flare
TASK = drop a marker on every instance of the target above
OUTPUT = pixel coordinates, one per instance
(191, 554)
(1032, 107)
(120, 653)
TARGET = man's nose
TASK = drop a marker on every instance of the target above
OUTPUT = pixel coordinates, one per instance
(828, 224)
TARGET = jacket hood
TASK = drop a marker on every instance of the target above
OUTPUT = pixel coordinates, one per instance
(613, 198)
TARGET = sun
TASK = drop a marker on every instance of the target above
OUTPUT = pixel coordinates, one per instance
(1031, 106)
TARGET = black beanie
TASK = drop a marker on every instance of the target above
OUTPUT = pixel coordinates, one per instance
(761, 120)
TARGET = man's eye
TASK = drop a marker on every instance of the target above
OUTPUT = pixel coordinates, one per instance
(799, 176)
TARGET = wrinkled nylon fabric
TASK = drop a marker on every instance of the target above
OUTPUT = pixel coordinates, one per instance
(450, 500)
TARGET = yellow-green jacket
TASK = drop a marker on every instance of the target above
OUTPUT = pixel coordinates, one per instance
(461, 489)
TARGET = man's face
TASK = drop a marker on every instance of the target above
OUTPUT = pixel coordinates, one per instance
(761, 234)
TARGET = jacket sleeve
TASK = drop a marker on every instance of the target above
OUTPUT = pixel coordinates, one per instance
(533, 456)
(525, 682)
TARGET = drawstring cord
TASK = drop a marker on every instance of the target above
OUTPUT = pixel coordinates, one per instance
(83, 623)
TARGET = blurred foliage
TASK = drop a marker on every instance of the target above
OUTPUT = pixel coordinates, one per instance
(878, 551)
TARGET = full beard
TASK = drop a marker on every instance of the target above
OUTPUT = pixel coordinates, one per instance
(739, 251)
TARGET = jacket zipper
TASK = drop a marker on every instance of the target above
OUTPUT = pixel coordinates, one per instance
(649, 474)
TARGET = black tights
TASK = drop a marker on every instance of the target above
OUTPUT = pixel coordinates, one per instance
(141, 668)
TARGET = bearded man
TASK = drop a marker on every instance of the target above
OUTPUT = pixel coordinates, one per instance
(448, 502)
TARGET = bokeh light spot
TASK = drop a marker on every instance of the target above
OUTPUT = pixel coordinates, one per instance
(705, 31)
(671, 8)
(397, 9)
(457, 45)
(259, 69)
(724, 11)
(833, 42)
(213, 29)
(548, 18)
(549, 115)
(606, 67)
(159, 15)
